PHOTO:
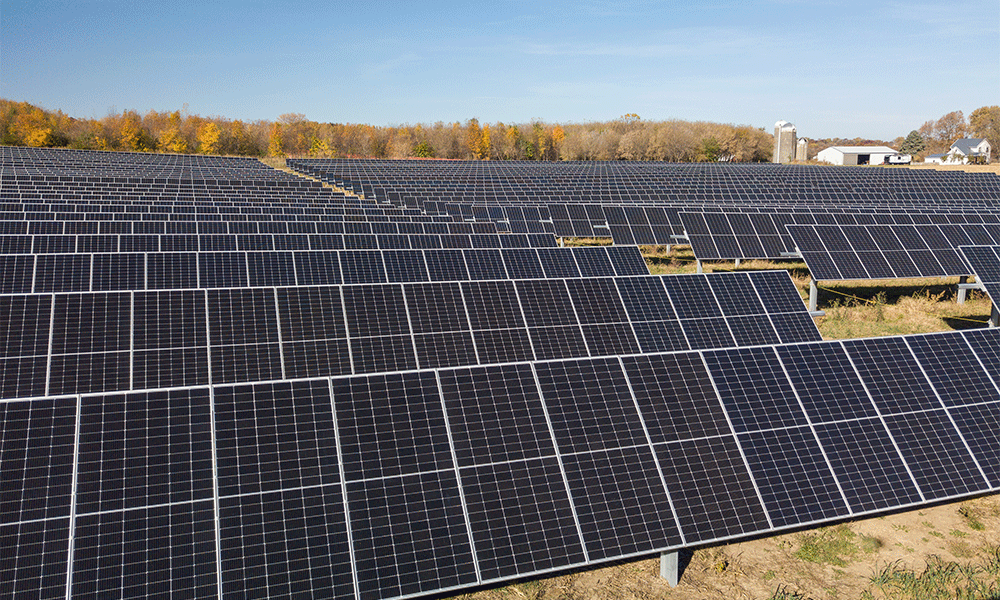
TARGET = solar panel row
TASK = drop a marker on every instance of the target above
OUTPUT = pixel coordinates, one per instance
(390, 485)
(835, 252)
(113, 341)
(82, 272)
(639, 203)
(740, 235)
(61, 244)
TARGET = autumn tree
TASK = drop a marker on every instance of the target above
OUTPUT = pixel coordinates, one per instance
(320, 149)
(984, 122)
(132, 137)
(474, 138)
(208, 138)
(950, 127)
(30, 127)
(240, 140)
(485, 142)
(512, 139)
(541, 141)
(171, 140)
(274, 142)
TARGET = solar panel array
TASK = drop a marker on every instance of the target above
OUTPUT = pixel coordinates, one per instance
(640, 203)
(748, 234)
(888, 251)
(365, 421)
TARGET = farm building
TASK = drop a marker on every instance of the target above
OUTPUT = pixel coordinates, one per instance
(964, 151)
(859, 155)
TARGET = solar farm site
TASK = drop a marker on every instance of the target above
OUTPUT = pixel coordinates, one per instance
(219, 379)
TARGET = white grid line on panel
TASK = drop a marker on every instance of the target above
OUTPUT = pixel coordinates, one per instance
(652, 449)
(732, 432)
(812, 428)
(277, 321)
(562, 468)
(343, 486)
(951, 419)
(885, 425)
(72, 504)
(458, 475)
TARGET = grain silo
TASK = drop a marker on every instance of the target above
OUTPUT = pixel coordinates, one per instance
(784, 142)
(802, 150)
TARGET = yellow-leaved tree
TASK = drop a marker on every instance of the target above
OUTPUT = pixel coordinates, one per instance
(320, 149)
(208, 138)
(474, 138)
(485, 144)
(130, 134)
(171, 139)
(31, 127)
(274, 141)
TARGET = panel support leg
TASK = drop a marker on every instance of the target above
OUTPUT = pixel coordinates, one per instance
(667, 250)
(698, 266)
(562, 242)
(813, 295)
(962, 291)
(668, 567)
(736, 264)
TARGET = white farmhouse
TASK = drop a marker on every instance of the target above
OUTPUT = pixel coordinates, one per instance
(857, 155)
(964, 151)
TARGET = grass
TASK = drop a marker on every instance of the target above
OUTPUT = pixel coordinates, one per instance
(939, 580)
(836, 545)
(971, 518)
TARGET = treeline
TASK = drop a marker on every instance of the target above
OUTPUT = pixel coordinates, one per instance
(933, 137)
(627, 138)
(938, 136)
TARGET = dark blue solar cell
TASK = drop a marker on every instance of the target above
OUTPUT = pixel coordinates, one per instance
(792, 475)
(754, 389)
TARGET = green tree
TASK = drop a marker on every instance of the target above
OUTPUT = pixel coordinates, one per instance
(913, 144)
(710, 150)
(423, 150)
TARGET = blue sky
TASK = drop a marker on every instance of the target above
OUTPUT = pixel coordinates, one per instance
(834, 69)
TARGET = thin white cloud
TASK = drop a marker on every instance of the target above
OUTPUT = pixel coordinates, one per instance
(698, 41)
(394, 63)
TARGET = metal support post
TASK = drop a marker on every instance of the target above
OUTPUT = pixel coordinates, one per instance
(667, 251)
(562, 242)
(962, 291)
(668, 567)
(697, 263)
(736, 264)
(813, 295)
